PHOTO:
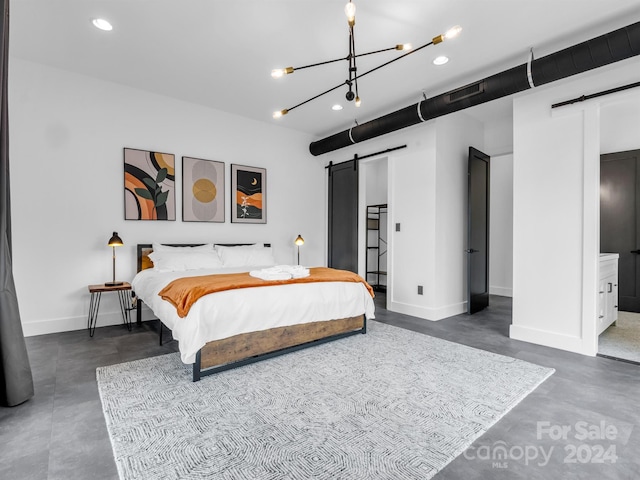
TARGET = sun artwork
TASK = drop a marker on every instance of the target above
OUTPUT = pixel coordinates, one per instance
(204, 190)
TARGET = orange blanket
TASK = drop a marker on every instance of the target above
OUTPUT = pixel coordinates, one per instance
(183, 292)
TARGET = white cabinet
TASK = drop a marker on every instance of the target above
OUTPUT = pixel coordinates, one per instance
(608, 291)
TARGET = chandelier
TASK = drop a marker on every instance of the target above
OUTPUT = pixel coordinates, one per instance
(352, 80)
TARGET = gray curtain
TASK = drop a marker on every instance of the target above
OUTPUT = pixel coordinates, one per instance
(16, 382)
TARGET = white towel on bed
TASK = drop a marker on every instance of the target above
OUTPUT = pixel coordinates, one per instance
(270, 275)
(298, 271)
(280, 272)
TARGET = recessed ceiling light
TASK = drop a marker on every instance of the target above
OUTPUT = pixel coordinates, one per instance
(102, 24)
(336, 107)
(441, 60)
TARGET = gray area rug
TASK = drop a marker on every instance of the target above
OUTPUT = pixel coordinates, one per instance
(623, 339)
(391, 404)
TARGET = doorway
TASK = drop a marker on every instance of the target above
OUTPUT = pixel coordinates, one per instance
(377, 247)
(478, 231)
(374, 246)
(620, 234)
(619, 223)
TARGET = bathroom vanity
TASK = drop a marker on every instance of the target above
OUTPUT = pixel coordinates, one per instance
(608, 291)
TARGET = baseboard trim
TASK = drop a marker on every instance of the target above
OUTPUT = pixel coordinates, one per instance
(69, 324)
(501, 291)
(428, 313)
(549, 339)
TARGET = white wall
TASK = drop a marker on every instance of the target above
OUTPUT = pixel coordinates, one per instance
(377, 178)
(67, 135)
(501, 226)
(498, 134)
(556, 209)
(427, 197)
(412, 205)
(620, 125)
(455, 134)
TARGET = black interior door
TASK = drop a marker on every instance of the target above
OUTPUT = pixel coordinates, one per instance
(619, 210)
(478, 232)
(343, 216)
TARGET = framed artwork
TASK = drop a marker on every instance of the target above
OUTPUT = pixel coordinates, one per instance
(202, 190)
(248, 194)
(149, 185)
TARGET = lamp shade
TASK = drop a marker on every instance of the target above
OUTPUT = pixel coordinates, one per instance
(299, 240)
(115, 240)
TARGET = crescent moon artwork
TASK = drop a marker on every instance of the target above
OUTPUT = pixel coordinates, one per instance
(248, 187)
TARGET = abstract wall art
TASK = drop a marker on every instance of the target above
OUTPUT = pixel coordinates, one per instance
(248, 194)
(202, 190)
(149, 185)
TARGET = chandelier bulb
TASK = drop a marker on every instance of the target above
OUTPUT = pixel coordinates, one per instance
(350, 12)
(403, 46)
(280, 72)
(280, 113)
(453, 32)
(358, 102)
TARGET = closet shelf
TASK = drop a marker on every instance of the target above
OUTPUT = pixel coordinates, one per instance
(377, 223)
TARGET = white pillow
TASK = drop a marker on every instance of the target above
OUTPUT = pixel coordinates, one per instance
(181, 261)
(246, 256)
(262, 257)
(238, 248)
(158, 247)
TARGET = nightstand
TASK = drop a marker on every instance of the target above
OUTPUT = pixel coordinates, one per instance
(94, 305)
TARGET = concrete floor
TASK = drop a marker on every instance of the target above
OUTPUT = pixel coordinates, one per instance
(61, 433)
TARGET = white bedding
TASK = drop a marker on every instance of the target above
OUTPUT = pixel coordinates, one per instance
(224, 314)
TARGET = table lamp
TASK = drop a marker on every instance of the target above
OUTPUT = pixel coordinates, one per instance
(114, 241)
(299, 241)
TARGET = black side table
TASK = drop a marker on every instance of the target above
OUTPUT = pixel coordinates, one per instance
(94, 305)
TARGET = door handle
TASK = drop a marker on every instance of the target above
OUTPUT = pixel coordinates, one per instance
(610, 285)
(471, 250)
(635, 251)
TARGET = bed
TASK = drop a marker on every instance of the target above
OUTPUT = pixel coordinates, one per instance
(235, 327)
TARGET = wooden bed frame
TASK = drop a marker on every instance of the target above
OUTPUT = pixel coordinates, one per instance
(246, 348)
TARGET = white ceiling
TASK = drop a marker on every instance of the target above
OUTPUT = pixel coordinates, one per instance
(220, 53)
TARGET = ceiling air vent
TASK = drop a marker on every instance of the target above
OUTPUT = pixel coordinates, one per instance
(465, 92)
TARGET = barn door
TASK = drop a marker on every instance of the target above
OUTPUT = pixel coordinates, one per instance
(343, 216)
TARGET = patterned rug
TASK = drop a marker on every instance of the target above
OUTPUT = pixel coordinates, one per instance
(622, 340)
(391, 404)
